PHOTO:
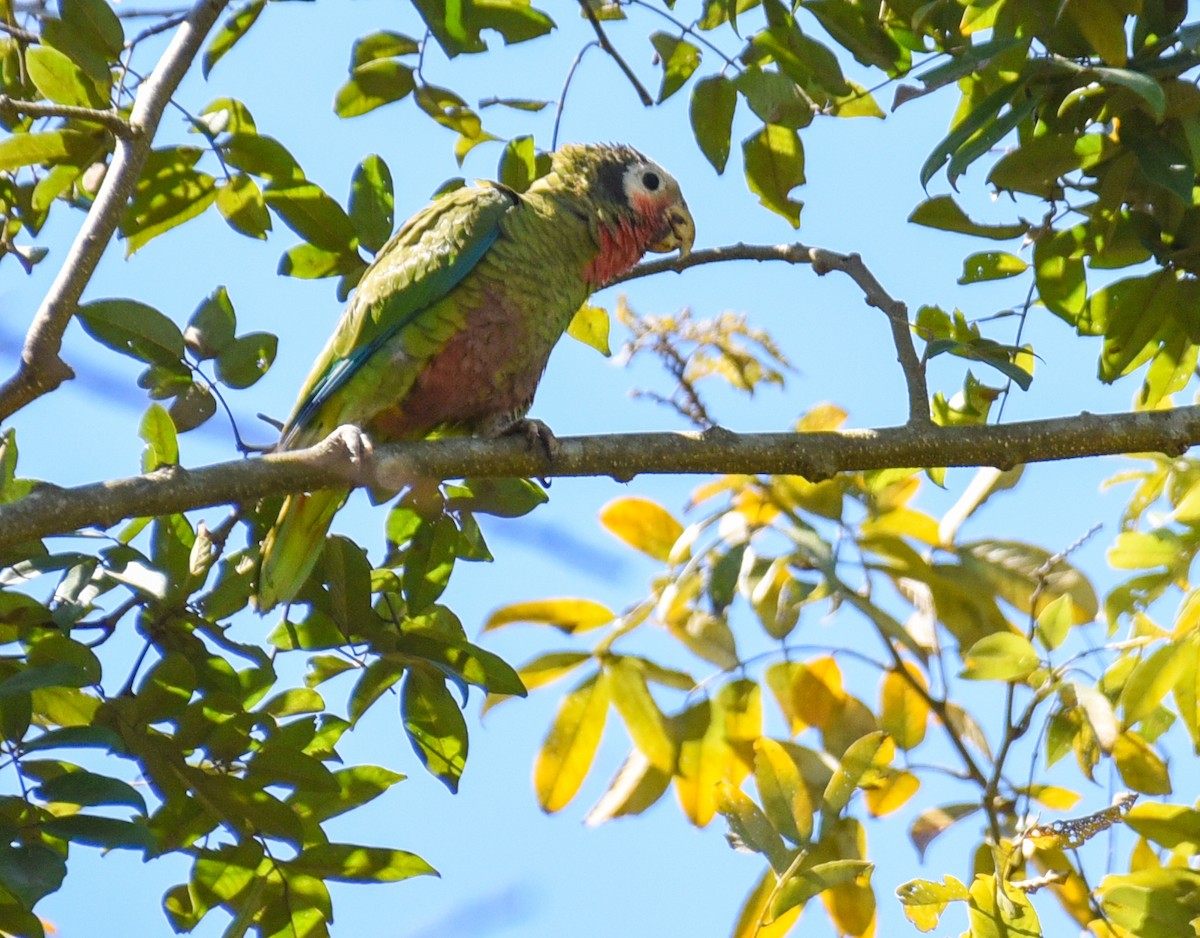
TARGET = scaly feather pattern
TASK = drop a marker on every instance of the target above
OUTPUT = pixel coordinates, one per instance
(452, 325)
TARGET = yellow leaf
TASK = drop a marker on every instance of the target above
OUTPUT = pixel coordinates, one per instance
(1153, 677)
(590, 325)
(893, 794)
(903, 711)
(702, 760)
(1054, 797)
(907, 522)
(818, 693)
(822, 417)
(925, 901)
(1140, 766)
(781, 677)
(568, 615)
(644, 721)
(643, 525)
(567, 753)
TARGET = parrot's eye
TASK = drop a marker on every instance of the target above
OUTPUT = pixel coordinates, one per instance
(651, 181)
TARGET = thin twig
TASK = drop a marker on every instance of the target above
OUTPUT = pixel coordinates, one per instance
(602, 38)
(24, 35)
(822, 261)
(107, 118)
(169, 22)
(562, 97)
(42, 369)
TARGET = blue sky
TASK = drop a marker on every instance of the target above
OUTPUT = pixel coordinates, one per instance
(507, 869)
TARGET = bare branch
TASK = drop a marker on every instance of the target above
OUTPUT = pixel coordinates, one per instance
(41, 369)
(822, 261)
(51, 510)
(109, 119)
(23, 35)
(602, 38)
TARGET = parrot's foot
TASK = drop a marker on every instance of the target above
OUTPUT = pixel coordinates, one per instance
(536, 434)
(356, 445)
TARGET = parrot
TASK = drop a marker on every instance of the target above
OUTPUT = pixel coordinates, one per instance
(452, 324)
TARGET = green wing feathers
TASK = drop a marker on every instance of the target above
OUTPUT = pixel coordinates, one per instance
(401, 315)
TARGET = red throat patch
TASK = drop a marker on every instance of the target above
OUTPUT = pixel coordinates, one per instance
(621, 246)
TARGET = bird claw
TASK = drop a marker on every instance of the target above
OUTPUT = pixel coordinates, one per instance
(537, 435)
(357, 445)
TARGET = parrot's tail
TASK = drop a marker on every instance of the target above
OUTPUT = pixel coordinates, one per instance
(293, 546)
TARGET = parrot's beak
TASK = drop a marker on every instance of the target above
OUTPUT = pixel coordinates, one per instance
(682, 234)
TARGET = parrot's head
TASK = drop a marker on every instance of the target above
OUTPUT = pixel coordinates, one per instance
(636, 205)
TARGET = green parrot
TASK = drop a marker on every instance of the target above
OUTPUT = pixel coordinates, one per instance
(451, 326)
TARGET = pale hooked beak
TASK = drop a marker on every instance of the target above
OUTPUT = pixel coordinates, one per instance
(682, 233)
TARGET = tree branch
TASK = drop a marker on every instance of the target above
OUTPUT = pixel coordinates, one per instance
(109, 119)
(602, 38)
(41, 369)
(822, 261)
(52, 510)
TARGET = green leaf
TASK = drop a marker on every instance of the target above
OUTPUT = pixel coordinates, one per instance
(67, 737)
(991, 265)
(1150, 90)
(372, 204)
(714, 100)
(62, 81)
(435, 726)
(192, 408)
(169, 193)
(86, 788)
(309, 262)
(106, 832)
(1151, 680)
(679, 59)
(240, 202)
(981, 116)
(314, 215)
(350, 863)
(518, 164)
(810, 881)
(262, 156)
(774, 161)
(504, 498)
(943, 212)
(241, 363)
(429, 562)
(357, 786)
(30, 872)
(862, 765)
(59, 674)
(212, 326)
(231, 31)
(162, 445)
(749, 827)
(47, 149)
(1002, 656)
(89, 33)
(382, 45)
(775, 98)
(133, 329)
(372, 85)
